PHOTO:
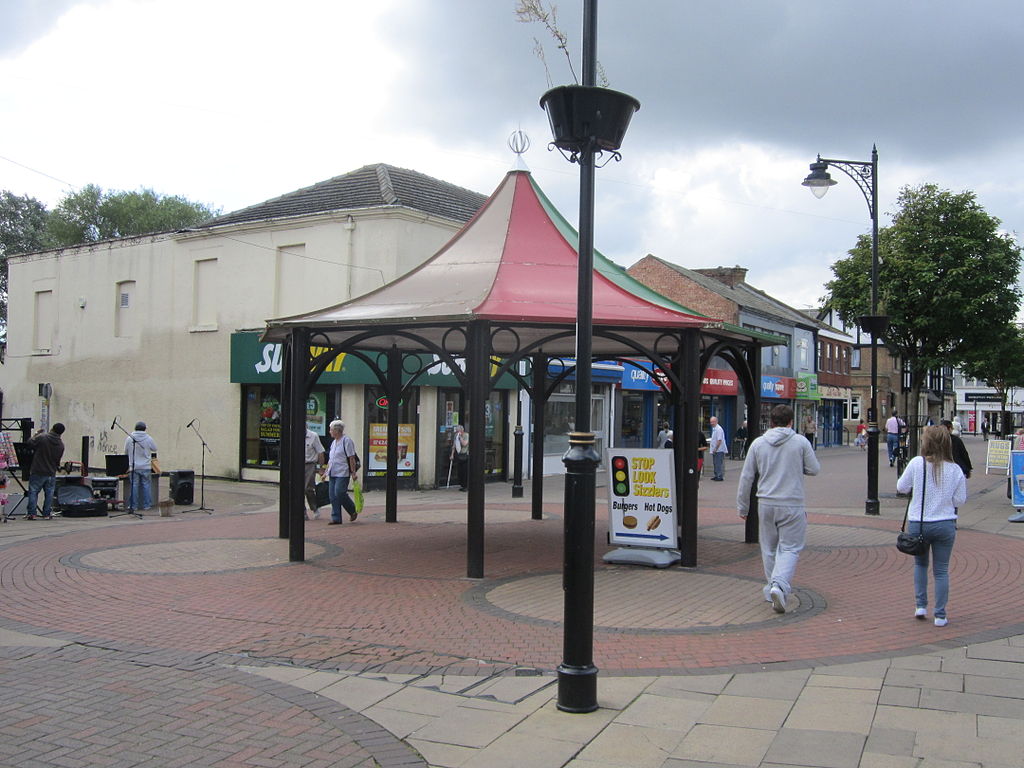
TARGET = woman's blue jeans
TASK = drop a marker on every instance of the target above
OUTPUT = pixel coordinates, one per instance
(940, 536)
(338, 492)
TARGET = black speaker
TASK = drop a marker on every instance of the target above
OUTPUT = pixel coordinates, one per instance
(183, 483)
(116, 464)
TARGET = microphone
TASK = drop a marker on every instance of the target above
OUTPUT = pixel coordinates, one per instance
(190, 423)
(113, 423)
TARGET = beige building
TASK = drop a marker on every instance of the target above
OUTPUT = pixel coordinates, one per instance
(164, 328)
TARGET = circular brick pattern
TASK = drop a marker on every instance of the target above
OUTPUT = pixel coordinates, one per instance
(670, 600)
(819, 536)
(202, 556)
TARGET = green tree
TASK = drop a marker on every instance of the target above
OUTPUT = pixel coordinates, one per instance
(947, 278)
(92, 214)
(22, 230)
(1000, 363)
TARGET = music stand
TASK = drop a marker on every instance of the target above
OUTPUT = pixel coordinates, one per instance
(131, 475)
(202, 475)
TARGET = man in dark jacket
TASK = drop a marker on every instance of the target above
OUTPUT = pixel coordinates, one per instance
(959, 449)
(47, 450)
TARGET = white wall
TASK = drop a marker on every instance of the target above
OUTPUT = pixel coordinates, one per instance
(170, 363)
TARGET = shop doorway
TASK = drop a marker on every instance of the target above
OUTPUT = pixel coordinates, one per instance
(451, 410)
(376, 461)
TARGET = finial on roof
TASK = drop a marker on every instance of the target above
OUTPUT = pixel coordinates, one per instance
(519, 143)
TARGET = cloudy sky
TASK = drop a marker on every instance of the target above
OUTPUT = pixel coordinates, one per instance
(231, 102)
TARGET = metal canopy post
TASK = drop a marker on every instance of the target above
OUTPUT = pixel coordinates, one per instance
(293, 442)
(689, 373)
(284, 484)
(394, 394)
(538, 402)
(477, 376)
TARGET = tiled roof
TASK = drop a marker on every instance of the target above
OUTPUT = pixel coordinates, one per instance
(745, 296)
(371, 186)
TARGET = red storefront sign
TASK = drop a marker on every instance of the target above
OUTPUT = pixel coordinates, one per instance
(719, 382)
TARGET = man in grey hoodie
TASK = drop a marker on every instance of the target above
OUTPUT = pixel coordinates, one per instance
(778, 460)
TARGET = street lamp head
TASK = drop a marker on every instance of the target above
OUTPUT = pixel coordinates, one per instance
(818, 180)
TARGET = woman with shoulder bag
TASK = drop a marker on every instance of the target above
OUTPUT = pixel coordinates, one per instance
(938, 485)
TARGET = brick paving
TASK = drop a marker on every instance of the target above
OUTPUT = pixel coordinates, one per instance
(154, 611)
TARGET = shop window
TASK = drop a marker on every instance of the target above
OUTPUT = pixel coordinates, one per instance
(377, 408)
(261, 421)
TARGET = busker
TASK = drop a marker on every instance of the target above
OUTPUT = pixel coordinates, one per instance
(48, 448)
(779, 459)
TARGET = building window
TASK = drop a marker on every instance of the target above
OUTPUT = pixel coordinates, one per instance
(124, 312)
(855, 357)
(43, 321)
(292, 280)
(206, 294)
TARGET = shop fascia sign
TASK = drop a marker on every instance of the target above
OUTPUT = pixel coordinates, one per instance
(807, 386)
(255, 362)
(778, 387)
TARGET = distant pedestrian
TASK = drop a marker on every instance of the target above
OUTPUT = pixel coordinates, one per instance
(314, 460)
(341, 470)
(893, 427)
(938, 487)
(48, 448)
(460, 455)
(778, 460)
(739, 442)
(810, 431)
(663, 433)
(960, 456)
(984, 428)
(862, 436)
(141, 450)
(718, 449)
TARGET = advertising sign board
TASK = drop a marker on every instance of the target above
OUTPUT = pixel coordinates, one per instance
(641, 497)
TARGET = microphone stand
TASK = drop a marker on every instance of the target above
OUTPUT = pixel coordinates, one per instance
(131, 476)
(202, 477)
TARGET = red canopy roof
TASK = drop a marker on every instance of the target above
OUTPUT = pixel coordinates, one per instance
(510, 263)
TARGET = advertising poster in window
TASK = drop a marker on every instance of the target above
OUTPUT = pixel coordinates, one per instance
(270, 428)
(377, 460)
(641, 497)
(316, 412)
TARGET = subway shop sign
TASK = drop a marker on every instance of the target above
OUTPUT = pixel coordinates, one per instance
(641, 497)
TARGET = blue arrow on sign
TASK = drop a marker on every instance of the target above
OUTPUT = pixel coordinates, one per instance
(660, 536)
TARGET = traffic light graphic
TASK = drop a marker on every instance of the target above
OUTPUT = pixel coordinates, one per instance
(620, 476)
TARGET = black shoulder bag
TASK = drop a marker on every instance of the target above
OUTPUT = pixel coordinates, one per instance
(909, 543)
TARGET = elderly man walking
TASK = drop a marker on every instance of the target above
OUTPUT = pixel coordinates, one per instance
(718, 449)
(778, 459)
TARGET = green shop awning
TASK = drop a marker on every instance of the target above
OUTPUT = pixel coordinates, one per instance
(259, 362)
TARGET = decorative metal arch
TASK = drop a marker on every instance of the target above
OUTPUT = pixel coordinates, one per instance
(682, 356)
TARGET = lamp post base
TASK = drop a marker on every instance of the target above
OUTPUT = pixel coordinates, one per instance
(872, 507)
(577, 689)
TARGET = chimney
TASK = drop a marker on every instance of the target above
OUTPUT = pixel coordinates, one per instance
(731, 276)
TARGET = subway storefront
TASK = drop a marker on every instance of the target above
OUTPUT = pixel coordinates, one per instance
(349, 390)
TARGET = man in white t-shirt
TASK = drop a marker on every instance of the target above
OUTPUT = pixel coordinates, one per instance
(718, 449)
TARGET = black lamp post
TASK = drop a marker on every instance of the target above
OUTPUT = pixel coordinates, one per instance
(865, 174)
(585, 120)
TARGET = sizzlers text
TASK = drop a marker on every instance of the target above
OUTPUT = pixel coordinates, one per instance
(645, 478)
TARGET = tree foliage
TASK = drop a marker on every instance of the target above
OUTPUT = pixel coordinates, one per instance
(22, 229)
(1000, 363)
(91, 214)
(86, 216)
(947, 278)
